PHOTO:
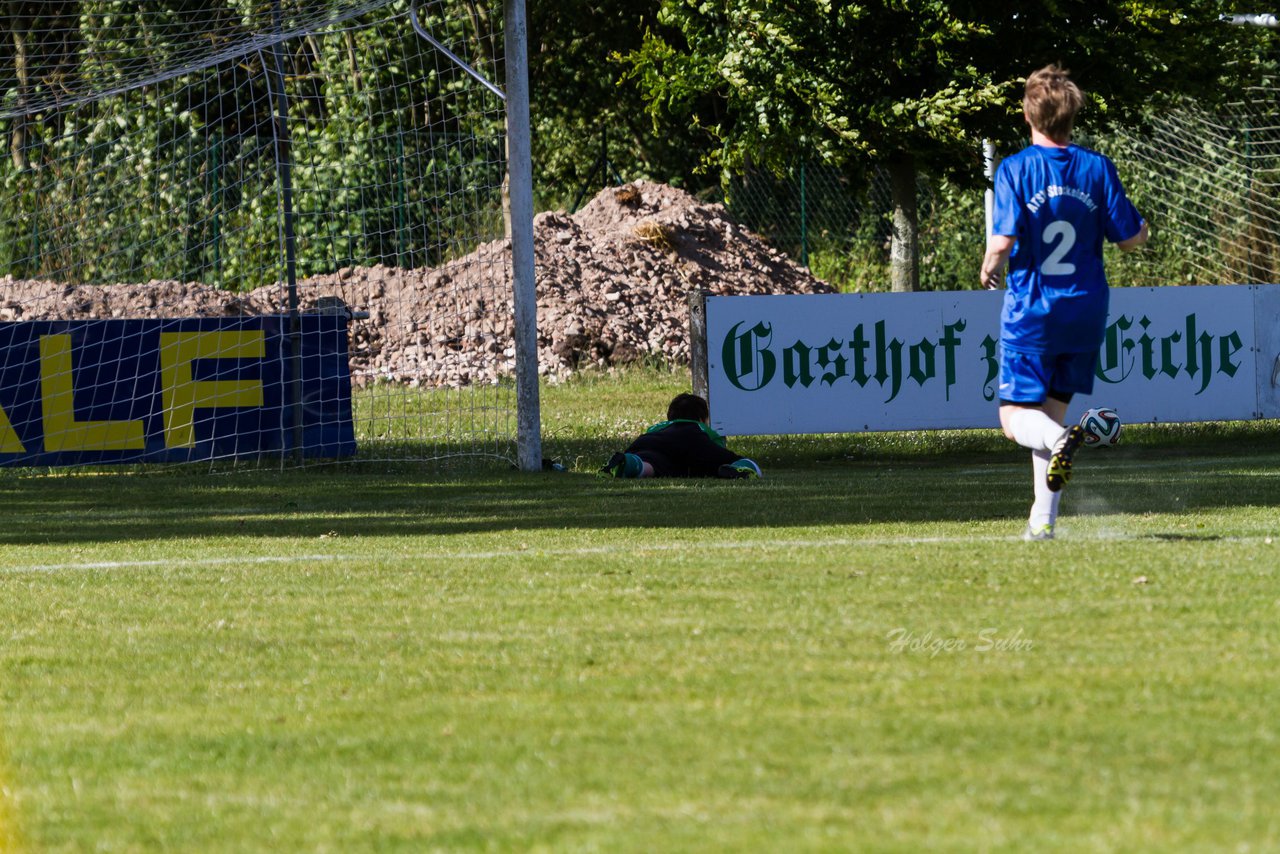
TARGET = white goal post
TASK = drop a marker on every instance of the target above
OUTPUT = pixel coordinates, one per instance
(520, 205)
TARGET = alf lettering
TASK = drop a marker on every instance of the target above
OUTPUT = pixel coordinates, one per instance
(180, 393)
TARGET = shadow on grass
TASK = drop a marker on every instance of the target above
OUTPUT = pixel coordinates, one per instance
(817, 481)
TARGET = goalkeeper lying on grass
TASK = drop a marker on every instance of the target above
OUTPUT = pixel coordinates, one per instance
(682, 446)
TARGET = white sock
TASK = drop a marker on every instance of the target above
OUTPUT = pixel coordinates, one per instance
(1034, 429)
(1044, 510)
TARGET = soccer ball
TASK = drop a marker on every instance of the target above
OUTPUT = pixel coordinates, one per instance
(1101, 427)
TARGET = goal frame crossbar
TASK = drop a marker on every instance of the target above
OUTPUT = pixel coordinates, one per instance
(518, 202)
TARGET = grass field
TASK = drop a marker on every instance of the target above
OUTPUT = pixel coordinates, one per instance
(856, 653)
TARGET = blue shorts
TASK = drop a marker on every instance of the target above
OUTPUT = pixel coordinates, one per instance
(1033, 377)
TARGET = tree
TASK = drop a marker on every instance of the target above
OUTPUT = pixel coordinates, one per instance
(914, 86)
(39, 53)
(580, 97)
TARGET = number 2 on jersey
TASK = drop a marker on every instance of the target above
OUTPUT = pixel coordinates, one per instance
(1064, 233)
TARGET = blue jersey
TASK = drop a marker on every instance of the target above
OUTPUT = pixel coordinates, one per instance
(1060, 203)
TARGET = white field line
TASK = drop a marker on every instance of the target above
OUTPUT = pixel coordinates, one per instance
(506, 554)
(723, 545)
(168, 564)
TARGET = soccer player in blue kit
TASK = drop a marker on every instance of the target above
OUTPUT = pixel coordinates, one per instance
(1055, 202)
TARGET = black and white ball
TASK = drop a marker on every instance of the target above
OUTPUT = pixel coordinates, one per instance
(1101, 427)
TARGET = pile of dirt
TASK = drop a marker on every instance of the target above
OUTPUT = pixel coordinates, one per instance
(613, 282)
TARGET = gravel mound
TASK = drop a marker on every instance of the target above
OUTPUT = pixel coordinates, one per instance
(613, 283)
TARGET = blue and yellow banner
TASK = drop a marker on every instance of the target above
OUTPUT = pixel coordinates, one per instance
(75, 392)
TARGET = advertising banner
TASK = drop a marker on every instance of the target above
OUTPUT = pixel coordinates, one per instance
(853, 362)
(174, 390)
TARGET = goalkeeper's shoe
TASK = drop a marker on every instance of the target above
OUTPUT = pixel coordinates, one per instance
(743, 468)
(623, 465)
(1063, 452)
(1037, 533)
(614, 467)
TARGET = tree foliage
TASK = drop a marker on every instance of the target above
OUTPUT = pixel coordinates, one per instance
(873, 80)
(178, 178)
(915, 85)
(911, 84)
(582, 103)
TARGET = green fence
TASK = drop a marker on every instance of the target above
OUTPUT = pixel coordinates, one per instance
(1208, 182)
(839, 225)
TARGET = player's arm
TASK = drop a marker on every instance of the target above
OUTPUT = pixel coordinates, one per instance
(1137, 240)
(999, 247)
(1121, 214)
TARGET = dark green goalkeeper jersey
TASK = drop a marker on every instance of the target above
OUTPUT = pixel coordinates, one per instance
(683, 449)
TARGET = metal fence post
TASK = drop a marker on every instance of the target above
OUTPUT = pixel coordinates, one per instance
(804, 220)
(698, 342)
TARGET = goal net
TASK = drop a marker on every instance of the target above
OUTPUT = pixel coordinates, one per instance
(233, 229)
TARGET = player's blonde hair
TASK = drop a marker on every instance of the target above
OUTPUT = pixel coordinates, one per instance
(1051, 101)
